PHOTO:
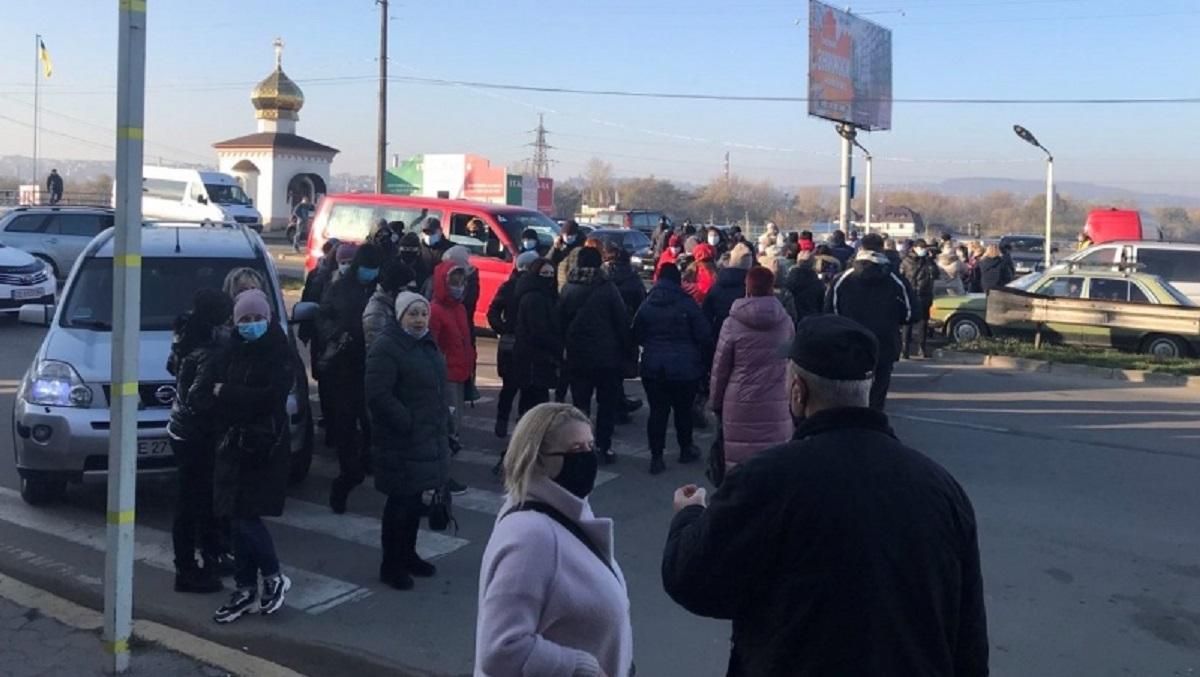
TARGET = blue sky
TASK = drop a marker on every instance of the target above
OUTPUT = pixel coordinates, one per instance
(205, 56)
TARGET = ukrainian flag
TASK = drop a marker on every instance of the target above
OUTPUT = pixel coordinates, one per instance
(44, 57)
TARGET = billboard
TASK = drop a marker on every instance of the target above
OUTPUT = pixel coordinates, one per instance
(484, 182)
(849, 68)
(545, 197)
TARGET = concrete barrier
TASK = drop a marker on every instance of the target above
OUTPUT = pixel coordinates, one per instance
(1084, 371)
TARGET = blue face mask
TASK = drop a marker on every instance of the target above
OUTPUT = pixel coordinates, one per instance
(367, 275)
(529, 245)
(252, 331)
(458, 292)
(417, 335)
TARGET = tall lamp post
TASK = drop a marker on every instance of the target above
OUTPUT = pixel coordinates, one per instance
(867, 197)
(1029, 138)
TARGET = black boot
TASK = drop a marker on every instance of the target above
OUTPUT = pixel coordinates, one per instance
(338, 495)
(689, 454)
(501, 427)
(657, 466)
(193, 579)
(395, 578)
(221, 566)
(419, 567)
(607, 455)
(631, 404)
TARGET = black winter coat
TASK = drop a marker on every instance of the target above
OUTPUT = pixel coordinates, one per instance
(808, 292)
(729, 287)
(877, 298)
(315, 284)
(502, 317)
(410, 424)
(254, 452)
(843, 552)
(341, 312)
(629, 283)
(920, 272)
(537, 354)
(844, 253)
(197, 362)
(431, 255)
(674, 335)
(994, 272)
(593, 321)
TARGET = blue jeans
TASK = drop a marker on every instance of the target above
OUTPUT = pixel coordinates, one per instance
(253, 552)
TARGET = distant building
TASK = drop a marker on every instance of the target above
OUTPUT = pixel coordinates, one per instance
(466, 176)
(276, 166)
(896, 222)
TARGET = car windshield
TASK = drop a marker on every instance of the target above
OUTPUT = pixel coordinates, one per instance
(1024, 245)
(225, 194)
(1025, 282)
(515, 223)
(168, 285)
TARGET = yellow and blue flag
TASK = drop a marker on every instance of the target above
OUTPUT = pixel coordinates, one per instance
(44, 57)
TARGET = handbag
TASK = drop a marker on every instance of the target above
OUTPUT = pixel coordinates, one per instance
(335, 352)
(441, 510)
(715, 466)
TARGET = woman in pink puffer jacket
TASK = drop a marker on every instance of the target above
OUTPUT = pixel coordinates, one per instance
(749, 389)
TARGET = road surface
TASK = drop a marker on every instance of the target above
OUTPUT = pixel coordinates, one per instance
(1085, 491)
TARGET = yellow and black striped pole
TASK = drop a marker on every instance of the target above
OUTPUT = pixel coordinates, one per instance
(127, 295)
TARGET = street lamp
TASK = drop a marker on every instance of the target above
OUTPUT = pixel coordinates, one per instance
(1029, 138)
(867, 215)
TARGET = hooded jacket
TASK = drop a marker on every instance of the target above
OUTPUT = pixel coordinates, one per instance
(593, 320)
(197, 360)
(674, 334)
(629, 283)
(537, 353)
(808, 292)
(921, 272)
(729, 286)
(341, 312)
(749, 383)
(874, 296)
(994, 271)
(379, 314)
(450, 327)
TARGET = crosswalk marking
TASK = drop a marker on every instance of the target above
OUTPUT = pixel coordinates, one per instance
(311, 592)
(359, 529)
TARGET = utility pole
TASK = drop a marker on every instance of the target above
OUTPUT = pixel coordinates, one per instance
(37, 76)
(540, 164)
(381, 140)
(727, 168)
(848, 134)
(127, 311)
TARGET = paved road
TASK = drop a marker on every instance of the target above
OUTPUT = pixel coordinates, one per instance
(1085, 493)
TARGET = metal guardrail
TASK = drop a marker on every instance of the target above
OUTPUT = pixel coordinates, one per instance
(12, 198)
(1010, 307)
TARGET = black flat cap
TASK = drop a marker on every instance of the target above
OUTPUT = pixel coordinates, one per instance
(834, 347)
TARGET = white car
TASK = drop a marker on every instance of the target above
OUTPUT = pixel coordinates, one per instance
(23, 279)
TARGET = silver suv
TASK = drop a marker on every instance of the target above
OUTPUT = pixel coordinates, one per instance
(56, 235)
(61, 416)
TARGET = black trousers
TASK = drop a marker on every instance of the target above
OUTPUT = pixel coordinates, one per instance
(254, 551)
(883, 381)
(666, 397)
(398, 531)
(351, 429)
(606, 385)
(195, 525)
(530, 398)
(919, 328)
(504, 403)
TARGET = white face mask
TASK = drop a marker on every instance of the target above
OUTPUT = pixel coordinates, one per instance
(714, 240)
(529, 245)
(431, 239)
(920, 251)
(343, 267)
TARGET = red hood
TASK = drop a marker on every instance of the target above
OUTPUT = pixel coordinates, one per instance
(441, 283)
(704, 252)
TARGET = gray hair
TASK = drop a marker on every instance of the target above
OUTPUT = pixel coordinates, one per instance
(828, 393)
(528, 441)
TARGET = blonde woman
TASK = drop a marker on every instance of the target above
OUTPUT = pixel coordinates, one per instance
(552, 600)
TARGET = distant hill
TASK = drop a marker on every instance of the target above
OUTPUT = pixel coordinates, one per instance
(1089, 192)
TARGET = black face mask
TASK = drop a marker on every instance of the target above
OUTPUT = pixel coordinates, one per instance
(407, 255)
(578, 474)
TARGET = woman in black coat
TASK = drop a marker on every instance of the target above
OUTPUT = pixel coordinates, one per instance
(251, 472)
(808, 291)
(405, 385)
(538, 348)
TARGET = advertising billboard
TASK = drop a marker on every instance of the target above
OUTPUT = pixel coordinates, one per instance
(444, 173)
(545, 199)
(484, 182)
(849, 68)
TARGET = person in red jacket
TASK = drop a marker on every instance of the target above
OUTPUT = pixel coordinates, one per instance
(451, 330)
(670, 254)
(702, 273)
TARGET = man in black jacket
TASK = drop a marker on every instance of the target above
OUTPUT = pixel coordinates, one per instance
(502, 316)
(596, 334)
(920, 271)
(843, 552)
(878, 298)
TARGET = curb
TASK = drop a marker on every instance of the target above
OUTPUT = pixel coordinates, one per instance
(1084, 371)
(197, 648)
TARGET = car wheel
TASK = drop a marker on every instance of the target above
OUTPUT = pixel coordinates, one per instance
(1165, 347)
(302, 459)
(49, 262)
(42, 488)
(966, 328)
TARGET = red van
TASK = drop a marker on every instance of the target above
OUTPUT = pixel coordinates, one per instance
(350, 217)
(1107, 225)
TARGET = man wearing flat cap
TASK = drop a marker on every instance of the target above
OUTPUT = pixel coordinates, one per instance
(843, 552)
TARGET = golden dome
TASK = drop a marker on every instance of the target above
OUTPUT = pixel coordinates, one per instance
(277, 96)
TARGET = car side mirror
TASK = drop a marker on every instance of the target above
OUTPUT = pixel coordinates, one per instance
(38, 314)
(250, 201)
(305, 311)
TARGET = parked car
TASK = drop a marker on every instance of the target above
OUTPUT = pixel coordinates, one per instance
(349, 218)
(637, 243)
(964, 318)
(1028, 252)
(645, 220)
(56, 235)
(23, 279)
(60, 414)
(1175, 262)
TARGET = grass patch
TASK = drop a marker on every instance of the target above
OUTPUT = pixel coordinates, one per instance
(1095, 357)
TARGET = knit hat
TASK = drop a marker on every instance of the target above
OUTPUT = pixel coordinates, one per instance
(704, 252)
(460, 256)
(346, 252)
(251, 302)
(211, 306)
(741, 257)
(525, 259)
(589, 258)
(760, 282)
(405, 299)
(669, 271)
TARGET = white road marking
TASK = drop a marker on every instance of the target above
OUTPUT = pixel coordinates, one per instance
(959, 424)
(311, 592)
(359, 528)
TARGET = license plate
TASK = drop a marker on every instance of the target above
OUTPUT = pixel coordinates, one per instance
(154, 448)
(23, 294)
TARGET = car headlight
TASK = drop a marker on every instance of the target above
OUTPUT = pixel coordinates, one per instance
(56, 384)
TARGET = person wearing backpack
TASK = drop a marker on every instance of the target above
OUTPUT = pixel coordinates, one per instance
(552, 599)
(597, 339)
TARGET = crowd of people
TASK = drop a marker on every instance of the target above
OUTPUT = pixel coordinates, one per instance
(788, 344)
